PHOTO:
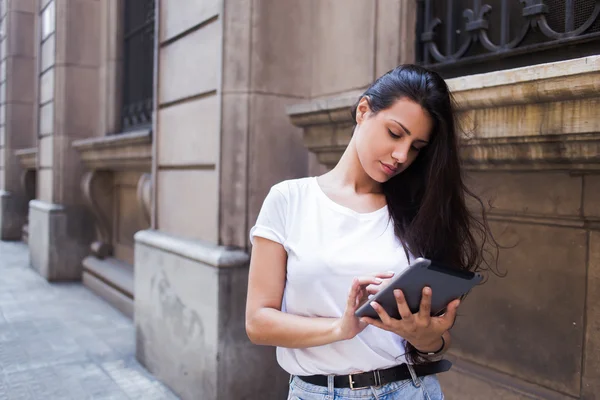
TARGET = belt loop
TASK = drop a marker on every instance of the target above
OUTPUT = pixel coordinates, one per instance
(413, 375)
(291, 379)
(330, 385)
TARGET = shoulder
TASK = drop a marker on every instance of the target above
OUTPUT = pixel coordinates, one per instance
(292, 188)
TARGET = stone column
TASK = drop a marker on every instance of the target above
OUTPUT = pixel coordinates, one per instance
(16, 106)
(226, 70)
(60, 229)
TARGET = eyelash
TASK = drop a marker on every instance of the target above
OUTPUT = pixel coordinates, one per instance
(393, 135)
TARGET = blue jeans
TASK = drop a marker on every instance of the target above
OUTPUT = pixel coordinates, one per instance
(421, 388)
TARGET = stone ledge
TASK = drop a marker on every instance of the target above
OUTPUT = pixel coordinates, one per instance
(561, 144)
(27, 157)
(206, 253)
(578, 152)
(47, 207)
(124, 151)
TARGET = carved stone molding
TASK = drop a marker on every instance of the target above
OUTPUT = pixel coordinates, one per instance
(27, 157)
(542, 117)
(97, 190)
(126, 151)
(144, 195)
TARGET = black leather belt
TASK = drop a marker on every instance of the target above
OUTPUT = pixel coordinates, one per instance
(378, 377)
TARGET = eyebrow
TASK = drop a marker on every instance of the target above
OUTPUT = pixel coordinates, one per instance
(408, 132)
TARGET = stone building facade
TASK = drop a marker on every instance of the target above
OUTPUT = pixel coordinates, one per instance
(139, 138)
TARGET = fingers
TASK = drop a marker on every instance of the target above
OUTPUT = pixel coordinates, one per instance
(450, 316)
(403, 309)
(383, 315)
(384, 275)
(425, 307)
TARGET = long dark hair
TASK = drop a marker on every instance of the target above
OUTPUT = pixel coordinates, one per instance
(428, 201)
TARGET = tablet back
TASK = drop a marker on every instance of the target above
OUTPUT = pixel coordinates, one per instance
(446, 285)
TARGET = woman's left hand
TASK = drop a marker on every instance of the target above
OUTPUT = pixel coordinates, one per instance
(420, 329)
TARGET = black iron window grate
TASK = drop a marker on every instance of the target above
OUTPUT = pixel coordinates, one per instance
(461, 37)
(138, 63)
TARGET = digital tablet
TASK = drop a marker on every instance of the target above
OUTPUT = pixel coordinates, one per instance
(446, 284)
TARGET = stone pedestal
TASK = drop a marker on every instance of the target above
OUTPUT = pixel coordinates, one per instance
(190, 299)
(59, 239)
(12, 216)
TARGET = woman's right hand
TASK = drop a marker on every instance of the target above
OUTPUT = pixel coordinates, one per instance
(349, 325)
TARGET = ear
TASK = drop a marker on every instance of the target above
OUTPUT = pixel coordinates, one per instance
(362, 110)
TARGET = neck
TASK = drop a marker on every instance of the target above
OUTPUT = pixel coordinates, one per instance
(349, 173)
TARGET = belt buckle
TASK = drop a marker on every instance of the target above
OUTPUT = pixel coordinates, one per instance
(377, 381)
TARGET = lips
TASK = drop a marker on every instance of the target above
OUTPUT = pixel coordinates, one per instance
(388, 169)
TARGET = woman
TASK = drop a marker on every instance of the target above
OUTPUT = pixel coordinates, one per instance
(321, 245)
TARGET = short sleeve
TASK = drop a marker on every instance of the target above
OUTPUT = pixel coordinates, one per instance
(270, 223)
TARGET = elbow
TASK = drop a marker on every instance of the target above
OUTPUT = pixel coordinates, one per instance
(253, 332)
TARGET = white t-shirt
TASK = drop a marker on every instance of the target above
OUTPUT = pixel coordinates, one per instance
(327, 246)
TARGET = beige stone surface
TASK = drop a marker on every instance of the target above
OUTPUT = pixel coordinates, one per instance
(233, 229)
(343, 46)
(20, 123)
(78, 33)
(237, 18)
(459, 386)
(45, 185)
(276, 151)
(29, 6)
(573, 116)
(176, 304)
(76, 101)
(128, 221)
(47, 52)
(177, 17)
(534, 193)
(47, 86)
(281, 47)
(591, 198)
(21, 44)
(187, 202)
(538, 308)
(408, 29)
(47, 119)
(591, 367)
(190, 65)
(20, 85)
(388, 28)
(46, 151)
(189, 133)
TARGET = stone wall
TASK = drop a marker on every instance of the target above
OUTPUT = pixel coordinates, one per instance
(17, 94)
(533, 149)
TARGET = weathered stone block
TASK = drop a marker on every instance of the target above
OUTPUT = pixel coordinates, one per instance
(59, 239)
(189, 316)
(187, 202)
(13, 212)
(177, 17)
(591, 367)
(530, 323)
(190, 65)
(335, 66)
(189, 132)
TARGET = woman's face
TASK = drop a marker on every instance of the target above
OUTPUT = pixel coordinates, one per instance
(389, 141)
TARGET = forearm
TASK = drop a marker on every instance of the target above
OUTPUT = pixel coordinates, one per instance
(272, 327)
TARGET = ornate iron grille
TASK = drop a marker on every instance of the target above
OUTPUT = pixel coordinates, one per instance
(461, 37)
(138, 63)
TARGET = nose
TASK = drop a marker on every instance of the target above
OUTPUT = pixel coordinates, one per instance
(400, 154)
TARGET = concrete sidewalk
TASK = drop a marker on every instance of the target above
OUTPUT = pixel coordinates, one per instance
(60, 341)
